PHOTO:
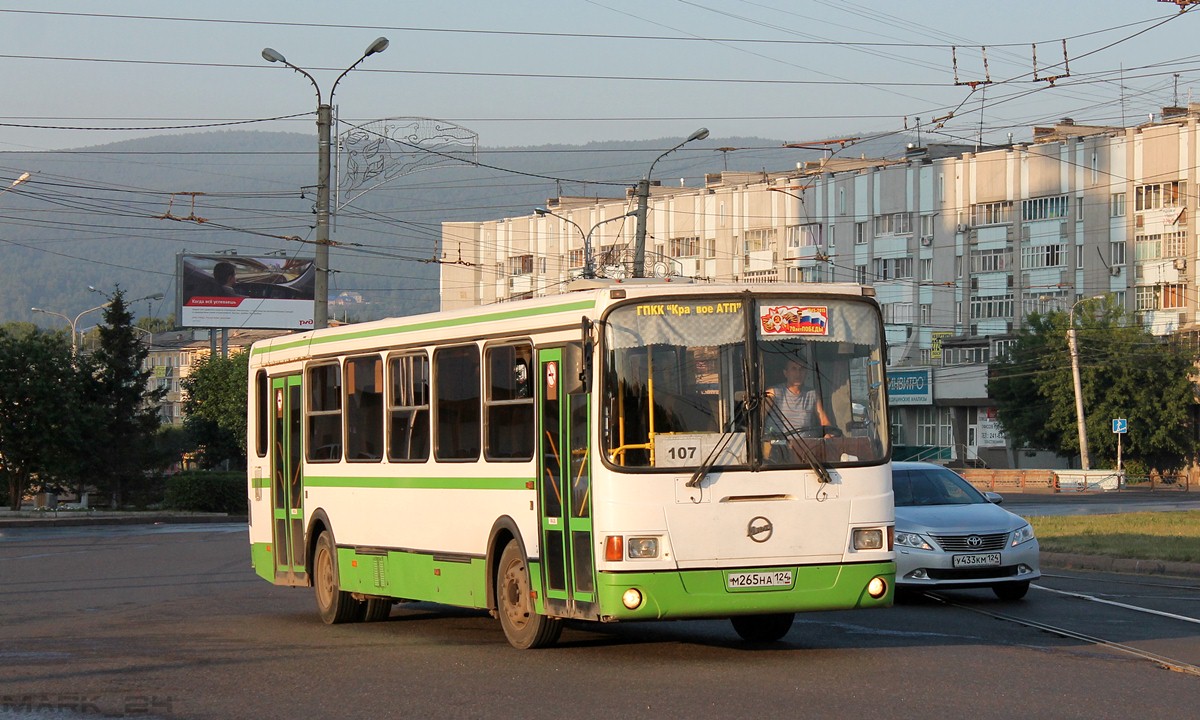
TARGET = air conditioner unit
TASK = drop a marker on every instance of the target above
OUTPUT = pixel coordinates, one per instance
(926, 240)
(963, 227)
(1181, 263)
(1114, 271)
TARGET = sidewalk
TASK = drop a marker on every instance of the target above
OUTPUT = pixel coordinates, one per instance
(75, 518)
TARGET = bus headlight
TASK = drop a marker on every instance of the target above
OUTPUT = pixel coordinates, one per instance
(642, 548)
(631, 598)
(868, 539)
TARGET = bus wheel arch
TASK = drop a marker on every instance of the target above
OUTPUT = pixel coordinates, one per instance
(503, 531)
(317, 524)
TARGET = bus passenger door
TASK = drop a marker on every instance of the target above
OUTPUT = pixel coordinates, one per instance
(286, 486)
(564, 485)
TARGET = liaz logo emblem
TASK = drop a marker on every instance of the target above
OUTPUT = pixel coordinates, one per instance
(974, 541)
(760, 529)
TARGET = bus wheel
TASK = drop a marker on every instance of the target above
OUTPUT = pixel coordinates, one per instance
(762, 628)
(523, 627)
(334, 605)
(377, 609)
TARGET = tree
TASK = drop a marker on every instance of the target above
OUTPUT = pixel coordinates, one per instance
(43, 403)
(129, 407)
(1125, 372)
(215, 408)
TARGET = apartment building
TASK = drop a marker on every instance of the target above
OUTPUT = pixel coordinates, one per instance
(960, 243)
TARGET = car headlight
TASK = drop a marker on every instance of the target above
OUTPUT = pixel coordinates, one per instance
(911, 540)
(1022, 535)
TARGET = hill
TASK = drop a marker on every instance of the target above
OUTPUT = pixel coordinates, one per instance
(118, 214)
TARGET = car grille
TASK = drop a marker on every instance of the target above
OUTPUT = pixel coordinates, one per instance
(961, 543)
(973, 573)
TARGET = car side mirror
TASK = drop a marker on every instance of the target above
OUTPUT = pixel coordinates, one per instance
(992, 497)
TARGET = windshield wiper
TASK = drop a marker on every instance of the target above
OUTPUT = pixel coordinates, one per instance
(707, 466)
(793, 436)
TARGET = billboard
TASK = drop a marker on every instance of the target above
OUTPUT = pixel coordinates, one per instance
(245, 291)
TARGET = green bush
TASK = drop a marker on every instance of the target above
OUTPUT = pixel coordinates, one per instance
(207, 491)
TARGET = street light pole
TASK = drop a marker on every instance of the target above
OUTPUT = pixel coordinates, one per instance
(18, 181)
(1073, 347)
(324, 152)
(589, 265)
(643, 199)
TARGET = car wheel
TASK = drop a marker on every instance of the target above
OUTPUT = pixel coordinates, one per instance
(1011, 591)
(762, 628)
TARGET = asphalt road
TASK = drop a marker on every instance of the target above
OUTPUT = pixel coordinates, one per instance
(169, 621)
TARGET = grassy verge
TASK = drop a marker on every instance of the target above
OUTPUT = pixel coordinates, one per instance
(1168, 536)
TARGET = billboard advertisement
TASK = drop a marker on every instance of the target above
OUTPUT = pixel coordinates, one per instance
(245, 291)
(910, 387)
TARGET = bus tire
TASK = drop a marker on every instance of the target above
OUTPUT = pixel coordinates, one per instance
(762, 628)
(524, 628)
(334, 605)
(377, 609)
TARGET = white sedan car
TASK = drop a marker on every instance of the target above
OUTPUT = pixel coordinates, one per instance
(949, 535)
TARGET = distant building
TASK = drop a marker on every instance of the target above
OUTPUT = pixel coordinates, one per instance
(173, 354)
(960, 243)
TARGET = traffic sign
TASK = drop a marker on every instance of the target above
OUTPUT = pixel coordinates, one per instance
(1120, 426)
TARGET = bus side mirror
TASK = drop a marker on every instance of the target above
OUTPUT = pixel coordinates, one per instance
(587, 346)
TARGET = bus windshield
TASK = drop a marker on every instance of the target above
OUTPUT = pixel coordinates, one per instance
(743, 382)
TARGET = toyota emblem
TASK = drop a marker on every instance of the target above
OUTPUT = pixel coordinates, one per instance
(974, 541)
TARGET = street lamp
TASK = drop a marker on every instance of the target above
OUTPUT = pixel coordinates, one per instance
(1073, 346)
(589, 266)
(324, 150)
(75, 323)
(18, 181)
(643, 198)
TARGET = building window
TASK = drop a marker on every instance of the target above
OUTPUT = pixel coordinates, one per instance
(860, 233)
(1172, 296)
(1175, 244)
(927, 432)
(990, 260)
(1160, 195)
(1046, 208)
(927, 226)
(1116, 253)
(801, 236)
(520, 265)
(927, 269)
(860, 274)
(897, 313)
(893, 224)
(1147, 247)
(1144, 297)
(1043, 256)
(996, 213)
(685, 247)
(1116, 206)
(831, 236)
(991, 306)
(892, 268)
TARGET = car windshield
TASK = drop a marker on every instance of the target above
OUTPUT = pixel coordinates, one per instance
(932, 486)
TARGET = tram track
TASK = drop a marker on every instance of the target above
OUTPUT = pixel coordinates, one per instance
(1160, 660)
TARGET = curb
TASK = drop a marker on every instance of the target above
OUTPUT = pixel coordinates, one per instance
(79, 520)
(1128, 566)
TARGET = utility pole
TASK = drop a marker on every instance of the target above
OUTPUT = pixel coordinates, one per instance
(643, 200)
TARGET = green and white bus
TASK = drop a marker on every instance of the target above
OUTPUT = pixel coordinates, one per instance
(616, 453)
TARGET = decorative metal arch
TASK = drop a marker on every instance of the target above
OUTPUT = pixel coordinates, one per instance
(379, 151)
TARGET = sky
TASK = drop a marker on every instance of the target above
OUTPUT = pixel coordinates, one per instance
(524, 73)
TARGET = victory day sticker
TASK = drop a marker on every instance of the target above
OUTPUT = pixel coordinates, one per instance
(795, 320)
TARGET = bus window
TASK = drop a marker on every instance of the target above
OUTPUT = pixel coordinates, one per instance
(456, 399)
(364, 409)
(408, 408)
(324, 413)
(508, 406)
(262, 412)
